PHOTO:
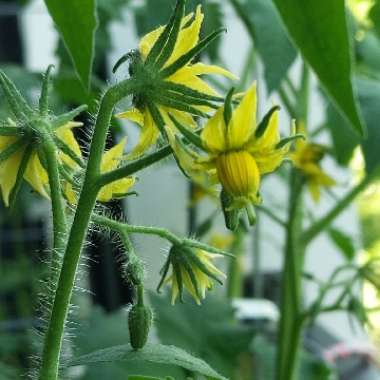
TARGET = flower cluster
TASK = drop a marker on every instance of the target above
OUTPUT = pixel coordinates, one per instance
(307, 157)
(238, 151)
(192, 270)
(231, 149)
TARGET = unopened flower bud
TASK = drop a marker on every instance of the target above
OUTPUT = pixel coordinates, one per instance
(139, 322)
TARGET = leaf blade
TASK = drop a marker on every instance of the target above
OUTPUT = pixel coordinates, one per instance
(319, 29)
(154, 353)
(76, 22)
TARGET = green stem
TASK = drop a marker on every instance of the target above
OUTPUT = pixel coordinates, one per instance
(235, 278)
(290, 328)
(58, 208)
(268, 212)
(134, 166)
(54, 335)
(125, 229)
(314, 230)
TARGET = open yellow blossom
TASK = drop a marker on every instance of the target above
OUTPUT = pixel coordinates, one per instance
(186, 77)
(239, 152)
(306, 157)
(34, 173)
(117, 189)
(197, 282)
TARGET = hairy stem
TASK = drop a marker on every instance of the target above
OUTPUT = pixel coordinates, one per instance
(54, 335)
(58, 208)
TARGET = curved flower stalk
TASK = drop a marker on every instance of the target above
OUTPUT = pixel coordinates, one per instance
(239, 152)
(166, 56)
(118, 189)
(192, 270)
(307, 157)
(22, 141)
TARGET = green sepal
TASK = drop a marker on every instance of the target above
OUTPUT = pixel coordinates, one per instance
(289, 139)
(16, 101)
(20, 176)
(231, 216)
(187, 100)
(199, 245)
(191, 136)
(199, 264)
(186, 263)
(263, 125)
(157, 118)
(163, 272)
(167, 50)
(251, 214)
(13, 148)
(44, 96)
(186, 58)
(179, 105)
(69, 152)
(163, 38)
(206, 225)
(174, 257)
(10, 131)
(140, 319)
(124, 58)
(123, 195)
(63, 119)
(227, 111)
(184, 90)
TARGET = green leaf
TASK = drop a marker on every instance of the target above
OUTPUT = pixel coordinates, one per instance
(214, 19)
(343, 242)
(76, 22)
(374, 15)
(344, 139)
(210, 332)
(271, 41)
(369, 97)
(319, 29)
(152, 353)
(102, 330)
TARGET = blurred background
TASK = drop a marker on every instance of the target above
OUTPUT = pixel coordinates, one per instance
(335, 346)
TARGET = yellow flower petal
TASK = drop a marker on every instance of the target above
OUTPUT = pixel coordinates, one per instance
(314, 190)
(67, 136)
(147, 42)
(9, 170)
(112, 157)
(243, 120)
(188, 78)
(188, 37)
(214, 133)
(134, 115)
(70, 194)
(202, 69)
(115, 189)
(36, 175)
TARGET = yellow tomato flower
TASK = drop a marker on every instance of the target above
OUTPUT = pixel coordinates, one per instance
(188, 76)
(34, 174)
(117, 189)
(200, 277)
(238, 153)
(306, 157)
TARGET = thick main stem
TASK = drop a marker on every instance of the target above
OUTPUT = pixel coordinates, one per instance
(54, 335)
(290, 327)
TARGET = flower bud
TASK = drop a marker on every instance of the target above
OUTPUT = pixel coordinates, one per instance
(139, 322)
(231, 215)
